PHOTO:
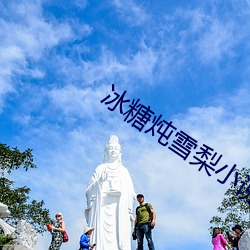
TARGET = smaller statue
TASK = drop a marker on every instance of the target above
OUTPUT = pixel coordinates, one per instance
(23, 234)
(4, 212)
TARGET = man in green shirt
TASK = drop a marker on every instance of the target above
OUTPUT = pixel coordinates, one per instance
(144, 223)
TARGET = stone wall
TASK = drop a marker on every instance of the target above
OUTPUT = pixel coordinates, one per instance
(13, 247)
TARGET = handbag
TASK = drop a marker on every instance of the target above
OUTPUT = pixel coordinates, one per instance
(65, 236)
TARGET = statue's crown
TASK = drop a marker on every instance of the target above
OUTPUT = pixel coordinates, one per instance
(113, 138)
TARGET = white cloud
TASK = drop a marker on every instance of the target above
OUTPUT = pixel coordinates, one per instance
(105, 69)
(198, 19)
(32, 33)
(200, 33)
(111, 69)
(220, 128)
(77, 101)
(143, 64)
(25, 35)
(80, 3)
(131, 12)
(217, 42)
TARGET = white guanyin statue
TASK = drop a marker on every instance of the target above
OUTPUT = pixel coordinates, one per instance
(110, 197)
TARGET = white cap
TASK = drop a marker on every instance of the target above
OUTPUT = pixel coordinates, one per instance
(59, 213)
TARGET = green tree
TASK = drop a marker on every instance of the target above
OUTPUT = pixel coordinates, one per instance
(17, 199)
(234, 210)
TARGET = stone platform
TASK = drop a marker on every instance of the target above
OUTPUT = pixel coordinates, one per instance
(12, 247)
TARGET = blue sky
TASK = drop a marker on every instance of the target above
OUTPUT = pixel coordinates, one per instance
(187, 60)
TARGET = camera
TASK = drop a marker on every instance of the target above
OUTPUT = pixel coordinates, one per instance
(134, 235)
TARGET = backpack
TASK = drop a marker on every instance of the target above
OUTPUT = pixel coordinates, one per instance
(149, 212)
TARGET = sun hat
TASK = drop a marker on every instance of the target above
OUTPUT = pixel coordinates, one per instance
(59, 213)
(87, 229)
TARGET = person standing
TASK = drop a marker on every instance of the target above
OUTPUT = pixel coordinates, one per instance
(232, 240)
(56, 231)
(239, 231)
(143, 225)
(218, 240)
(85, 239)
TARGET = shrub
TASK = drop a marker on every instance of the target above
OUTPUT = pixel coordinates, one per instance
(6, 240)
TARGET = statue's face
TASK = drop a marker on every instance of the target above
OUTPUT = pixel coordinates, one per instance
(113, 150)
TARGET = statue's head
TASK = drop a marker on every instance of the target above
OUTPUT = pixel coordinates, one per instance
(113, 150)
(4, 211)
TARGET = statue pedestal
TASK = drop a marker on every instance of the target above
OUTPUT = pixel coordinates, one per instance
(13, 247)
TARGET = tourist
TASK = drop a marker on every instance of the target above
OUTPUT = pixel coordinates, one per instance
(218, 240)
(144, 223)
(85, 239)
(56, 231)
(232, 240)
(239, 231)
